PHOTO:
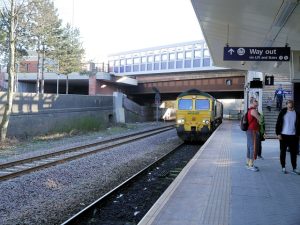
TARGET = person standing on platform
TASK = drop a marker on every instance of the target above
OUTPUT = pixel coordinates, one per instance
(261, 135)
(252, 135)
(279, 95)
(288, 131)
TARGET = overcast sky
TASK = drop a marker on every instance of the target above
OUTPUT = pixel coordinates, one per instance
(112, 26)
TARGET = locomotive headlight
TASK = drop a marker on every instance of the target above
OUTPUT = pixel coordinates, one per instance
(180, 121)
(206, 121)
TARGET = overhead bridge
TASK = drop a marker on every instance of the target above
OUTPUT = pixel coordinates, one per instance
(170, 69)
(220, 84)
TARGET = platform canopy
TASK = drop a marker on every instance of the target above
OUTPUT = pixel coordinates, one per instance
(250, 23)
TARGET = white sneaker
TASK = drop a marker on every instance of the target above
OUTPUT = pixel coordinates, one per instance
(284, 171)
(253, 168)
(296, 172)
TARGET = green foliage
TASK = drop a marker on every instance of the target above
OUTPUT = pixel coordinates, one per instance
(69, 51)
(46, 28)
(22, 25)
(40, 29)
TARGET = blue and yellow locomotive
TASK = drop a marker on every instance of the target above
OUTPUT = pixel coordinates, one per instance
(198, 115)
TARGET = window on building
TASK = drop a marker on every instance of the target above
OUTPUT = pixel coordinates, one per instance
(206, 62)
(206, 53)
(164, 65)
(188, 55)
(164, 57)
(179, 55)
(172, 56)
(197, 54)
(136, 60)
(135, 68)
(179, 64)
(122, 62)
(187, 63)
(128, 61)
(196, 62)
(128, 68)
(143, 67)
(150, 58)
(149, 66)
(156, 66)
(171, 65)
(157, 58)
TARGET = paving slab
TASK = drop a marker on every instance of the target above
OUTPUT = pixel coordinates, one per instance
(215, 188)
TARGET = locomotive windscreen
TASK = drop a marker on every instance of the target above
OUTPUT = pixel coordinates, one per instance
(202, 104)
(185, 104)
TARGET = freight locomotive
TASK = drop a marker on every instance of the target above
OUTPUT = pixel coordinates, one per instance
(198, 115)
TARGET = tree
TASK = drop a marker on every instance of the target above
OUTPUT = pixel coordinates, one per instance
(34, 24)
(69, 52)
(45, 32)
(14, 18)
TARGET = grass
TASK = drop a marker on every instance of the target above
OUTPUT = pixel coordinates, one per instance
(83, 124)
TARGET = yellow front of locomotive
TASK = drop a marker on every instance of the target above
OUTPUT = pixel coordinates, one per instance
(193, 118)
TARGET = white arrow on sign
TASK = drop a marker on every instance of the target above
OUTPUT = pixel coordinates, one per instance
(231, 51)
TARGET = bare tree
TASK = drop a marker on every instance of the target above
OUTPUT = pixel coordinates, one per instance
(12, 19)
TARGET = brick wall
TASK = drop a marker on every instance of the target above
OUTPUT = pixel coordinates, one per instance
(101, 87)
(28, 67)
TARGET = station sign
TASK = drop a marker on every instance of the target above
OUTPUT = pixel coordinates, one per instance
(257, 54)
(269, 80)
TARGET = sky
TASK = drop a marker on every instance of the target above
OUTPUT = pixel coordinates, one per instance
(113, 26)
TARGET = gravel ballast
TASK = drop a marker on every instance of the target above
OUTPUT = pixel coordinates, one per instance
(53, 195)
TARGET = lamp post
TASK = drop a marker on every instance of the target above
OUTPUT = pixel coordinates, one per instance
(57, 84)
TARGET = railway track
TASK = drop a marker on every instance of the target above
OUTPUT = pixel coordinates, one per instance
(20, 167)
(131, 200)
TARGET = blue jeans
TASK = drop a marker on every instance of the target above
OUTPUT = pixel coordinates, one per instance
(252, 143)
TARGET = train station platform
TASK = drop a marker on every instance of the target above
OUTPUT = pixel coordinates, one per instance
(215, 188)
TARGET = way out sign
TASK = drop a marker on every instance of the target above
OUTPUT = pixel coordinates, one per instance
(257, 54)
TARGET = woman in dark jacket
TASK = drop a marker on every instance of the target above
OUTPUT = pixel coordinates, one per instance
(288, 131)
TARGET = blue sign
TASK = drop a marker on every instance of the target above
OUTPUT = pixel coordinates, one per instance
(257, 54)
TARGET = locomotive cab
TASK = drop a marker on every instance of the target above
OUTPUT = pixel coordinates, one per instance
(196, 116)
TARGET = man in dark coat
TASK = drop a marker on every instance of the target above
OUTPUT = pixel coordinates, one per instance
(288, 131)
